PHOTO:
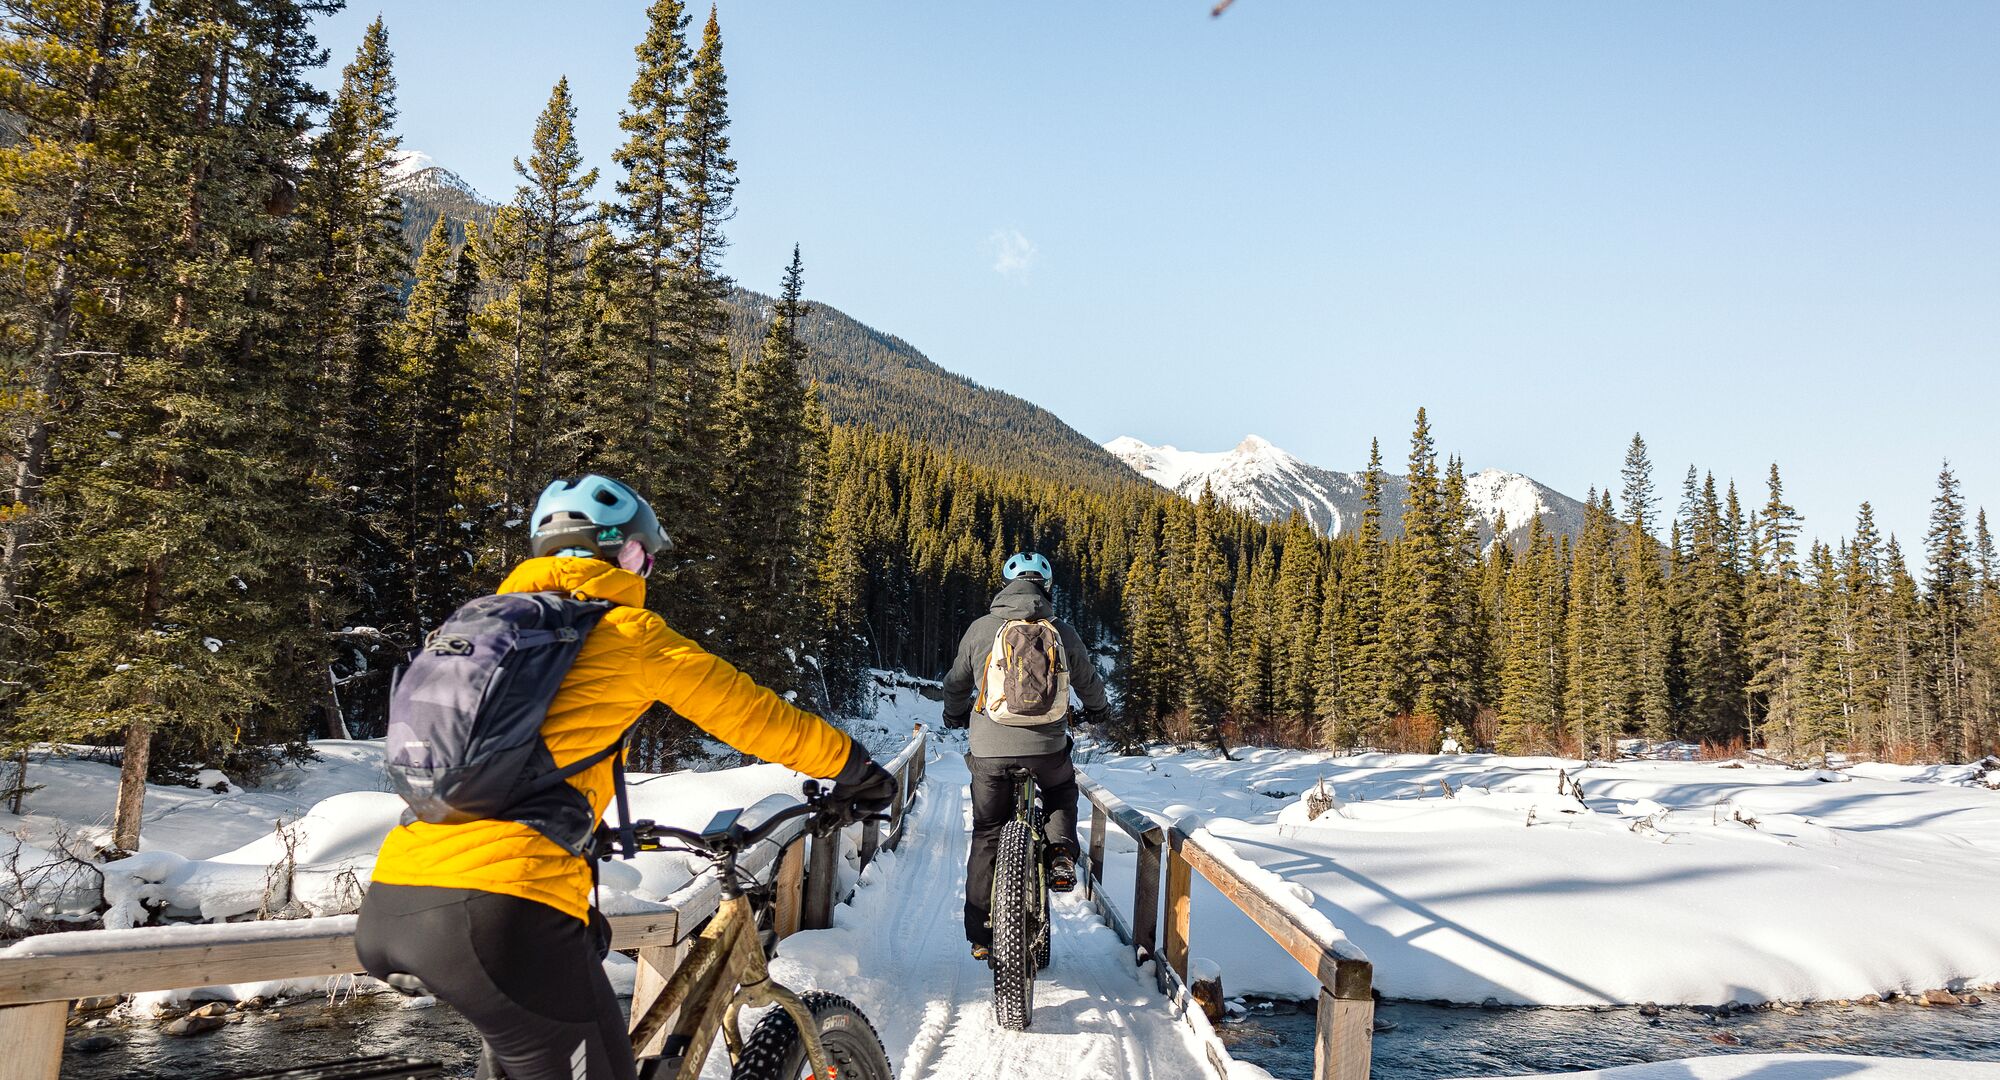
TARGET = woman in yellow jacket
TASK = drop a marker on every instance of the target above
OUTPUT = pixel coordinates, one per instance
(494, 917)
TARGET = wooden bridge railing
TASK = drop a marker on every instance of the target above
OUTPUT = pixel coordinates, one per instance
(1346, 1005)
(41, 975)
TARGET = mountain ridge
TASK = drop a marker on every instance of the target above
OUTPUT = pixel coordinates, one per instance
(1270, 483)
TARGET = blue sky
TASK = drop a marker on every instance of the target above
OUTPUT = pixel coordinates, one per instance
(1752, 232)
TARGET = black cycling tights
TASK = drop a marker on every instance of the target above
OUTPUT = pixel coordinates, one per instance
(529, 977)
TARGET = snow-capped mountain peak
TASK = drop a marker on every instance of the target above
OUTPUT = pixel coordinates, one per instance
(1270, 483)
(417, 171)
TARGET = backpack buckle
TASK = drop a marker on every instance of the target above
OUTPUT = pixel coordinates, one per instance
(449, 645)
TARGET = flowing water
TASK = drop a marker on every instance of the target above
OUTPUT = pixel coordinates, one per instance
(1416, 1042)
(1430, 1042)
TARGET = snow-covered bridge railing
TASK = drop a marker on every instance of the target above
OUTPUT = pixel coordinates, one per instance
(41, 975)
(1346, 1004)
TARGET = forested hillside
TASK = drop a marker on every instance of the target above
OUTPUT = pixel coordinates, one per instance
(869, 377)
(253, 454)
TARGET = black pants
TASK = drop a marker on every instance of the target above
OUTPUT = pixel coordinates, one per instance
(993, 807)
(529, 977)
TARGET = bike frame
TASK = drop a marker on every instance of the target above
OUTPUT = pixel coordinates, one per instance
(725, 971)
(1027, 810)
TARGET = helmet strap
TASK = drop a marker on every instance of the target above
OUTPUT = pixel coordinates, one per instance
(633, 556)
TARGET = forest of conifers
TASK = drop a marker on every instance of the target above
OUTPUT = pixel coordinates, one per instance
(253, 451)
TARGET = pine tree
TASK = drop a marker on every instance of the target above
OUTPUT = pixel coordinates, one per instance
(535, 331)
(1646, 634)
(435, 391)
(61, 95)
(1776, 635)
(646, 212)
(1593, 703)
(767, 503)
(179, 578)
(1417, 602)
(1205, 608)
(1531, 677)
(1296, 613)
(1950, 589)
(1356, 700)
(705, 181)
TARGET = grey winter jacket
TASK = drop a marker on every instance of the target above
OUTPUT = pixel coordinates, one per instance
(1023, 598)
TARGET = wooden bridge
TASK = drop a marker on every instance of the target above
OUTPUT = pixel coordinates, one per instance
(41, 976)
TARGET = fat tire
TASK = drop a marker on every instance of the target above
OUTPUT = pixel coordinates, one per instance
(775, 1051)
(1014, 928)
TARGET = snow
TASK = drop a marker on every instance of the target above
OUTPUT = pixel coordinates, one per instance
(1270, 483)
(899, 952)
(1795, 1067)
(1672, 882)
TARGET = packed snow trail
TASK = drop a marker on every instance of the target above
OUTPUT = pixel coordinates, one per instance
(899, 952)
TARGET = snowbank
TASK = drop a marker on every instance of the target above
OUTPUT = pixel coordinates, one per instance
(1794, 1067)
(1470, 877)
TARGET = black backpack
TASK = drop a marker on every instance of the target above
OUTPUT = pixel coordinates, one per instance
(465, 720)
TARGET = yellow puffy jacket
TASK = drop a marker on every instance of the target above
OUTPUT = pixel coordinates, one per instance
(630, 660)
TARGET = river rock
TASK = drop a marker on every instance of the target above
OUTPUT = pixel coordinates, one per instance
(97, 1004)
(1970, 999)
(92, 1044)
(213, 1008)
(1723, 1038)
(1940, 997)
(253, 1004)
(195, 1025)
(1491, 1003)
(1868, 999)
(1649, 1009)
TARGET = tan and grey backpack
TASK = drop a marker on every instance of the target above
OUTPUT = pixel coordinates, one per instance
(1026, 683)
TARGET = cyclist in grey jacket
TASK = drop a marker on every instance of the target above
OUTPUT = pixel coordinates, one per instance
(1043, 750)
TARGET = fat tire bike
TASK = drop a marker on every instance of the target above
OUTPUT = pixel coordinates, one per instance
(1020, 907)
(814, 1034)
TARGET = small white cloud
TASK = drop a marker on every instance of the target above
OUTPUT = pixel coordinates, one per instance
(1013, 253)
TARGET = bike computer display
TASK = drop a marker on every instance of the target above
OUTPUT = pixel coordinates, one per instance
(720, 826)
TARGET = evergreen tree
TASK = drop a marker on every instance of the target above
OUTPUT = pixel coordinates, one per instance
(1206, 613)
(1776, 635)
(178, 582)
(63, 96)
(705, 182)
(435, 391)
(771, 469)
(1531, 678)
(1950, 588)
(1646, 634)
(1357, 694)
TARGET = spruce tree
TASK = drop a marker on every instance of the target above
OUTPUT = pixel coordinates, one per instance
(705, 178)
(435, 392)
(1645, 634)
(177, 584)
(1949, 587)
(62, 91)
(1776, 641)
(767, 503)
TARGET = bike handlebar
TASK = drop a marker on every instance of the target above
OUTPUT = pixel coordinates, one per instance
(723, 836)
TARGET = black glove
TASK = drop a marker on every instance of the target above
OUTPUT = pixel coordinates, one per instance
(962, 720)
(863, 785)
(1097, 718)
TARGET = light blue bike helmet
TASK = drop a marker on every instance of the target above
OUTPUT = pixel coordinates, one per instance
(595, 515)
(1028, 562)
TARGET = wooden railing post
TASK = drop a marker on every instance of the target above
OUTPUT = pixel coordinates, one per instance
(1180, 909)
(1146, 904)
(869, 841)
(1342, 1048)
(33, 1036)
(657, 964)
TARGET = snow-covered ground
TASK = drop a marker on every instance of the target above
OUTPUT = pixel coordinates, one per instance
(1467, 878)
